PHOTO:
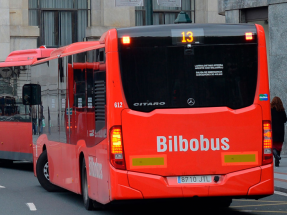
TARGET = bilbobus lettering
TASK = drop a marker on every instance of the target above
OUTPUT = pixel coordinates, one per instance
(204, 147)
(216, 146)
(225, 141)
(203, 144)
(183, 144)
(194, 145)
(161, 144)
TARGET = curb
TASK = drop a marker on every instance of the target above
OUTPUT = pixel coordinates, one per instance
(280, 189)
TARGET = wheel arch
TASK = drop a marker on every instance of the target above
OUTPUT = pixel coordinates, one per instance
(44, 148)
(81, 157)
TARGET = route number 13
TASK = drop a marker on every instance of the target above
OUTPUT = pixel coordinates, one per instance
(187, 37)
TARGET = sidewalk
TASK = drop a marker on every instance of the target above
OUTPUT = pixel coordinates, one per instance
(280, 175)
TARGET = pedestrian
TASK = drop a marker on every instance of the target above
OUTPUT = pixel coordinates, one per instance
(278, 116)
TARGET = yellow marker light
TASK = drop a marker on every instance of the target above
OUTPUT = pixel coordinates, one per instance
(248, 36)
(126, 40)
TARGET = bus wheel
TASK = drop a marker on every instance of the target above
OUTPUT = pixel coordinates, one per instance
(42, 170)
(87, 201)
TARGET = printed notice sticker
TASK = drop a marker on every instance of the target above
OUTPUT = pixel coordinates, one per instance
(208, 73)
(209, 69)
(263, 97)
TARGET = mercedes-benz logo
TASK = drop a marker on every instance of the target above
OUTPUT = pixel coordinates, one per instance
(190, 101)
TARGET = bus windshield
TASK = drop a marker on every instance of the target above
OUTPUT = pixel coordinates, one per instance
(169, 75)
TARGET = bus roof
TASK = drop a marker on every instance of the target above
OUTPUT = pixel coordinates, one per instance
(71, 49)
(26, 57)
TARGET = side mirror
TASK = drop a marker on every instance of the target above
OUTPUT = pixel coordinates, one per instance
(31, 94)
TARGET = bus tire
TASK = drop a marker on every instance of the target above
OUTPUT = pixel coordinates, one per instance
(42, 170)
(88, 203)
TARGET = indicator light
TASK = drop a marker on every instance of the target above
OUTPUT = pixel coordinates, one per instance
(248, 36)
(116, 145)
(267, 157)
(126, 40)
(116, 141)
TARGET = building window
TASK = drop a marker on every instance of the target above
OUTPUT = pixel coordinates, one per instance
(165, 15)
(60, 22)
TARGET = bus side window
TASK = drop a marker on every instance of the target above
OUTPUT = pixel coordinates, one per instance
(90, 80)
(100, 92)
(79, 88)
(90, 89)
(100, 99)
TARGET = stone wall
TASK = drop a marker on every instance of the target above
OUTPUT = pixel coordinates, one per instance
(4, 29)
(15, 32)
(206, 11)
(22, 36)
(226, 5)
(106, 16)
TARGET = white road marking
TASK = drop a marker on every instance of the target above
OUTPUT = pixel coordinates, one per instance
(280, 176)
(2, 186)
(280, 193)
(31, 206)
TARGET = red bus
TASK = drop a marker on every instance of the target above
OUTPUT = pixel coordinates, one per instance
(154, 112)
(15, 118)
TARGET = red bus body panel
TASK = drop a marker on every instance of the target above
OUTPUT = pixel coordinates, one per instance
(241, 127)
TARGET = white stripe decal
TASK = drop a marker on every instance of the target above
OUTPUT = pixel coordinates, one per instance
(280, 193)
(2, 186)
(31, 206)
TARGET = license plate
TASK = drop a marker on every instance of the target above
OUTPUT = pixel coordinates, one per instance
(194, 179)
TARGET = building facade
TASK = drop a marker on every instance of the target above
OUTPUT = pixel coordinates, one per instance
(15, 32)
(28, 24)
(271, 14)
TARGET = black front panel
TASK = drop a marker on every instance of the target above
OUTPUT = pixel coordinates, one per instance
(187, 72)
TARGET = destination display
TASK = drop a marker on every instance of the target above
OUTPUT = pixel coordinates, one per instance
(187, 36)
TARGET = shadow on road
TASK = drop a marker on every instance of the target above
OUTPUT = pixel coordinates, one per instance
(17, 165)
(150, 207)
(185, 206)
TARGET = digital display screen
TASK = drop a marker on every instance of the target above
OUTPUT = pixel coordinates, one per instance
(187, 36)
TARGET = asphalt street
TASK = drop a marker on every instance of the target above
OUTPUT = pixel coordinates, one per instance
(21, 193)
